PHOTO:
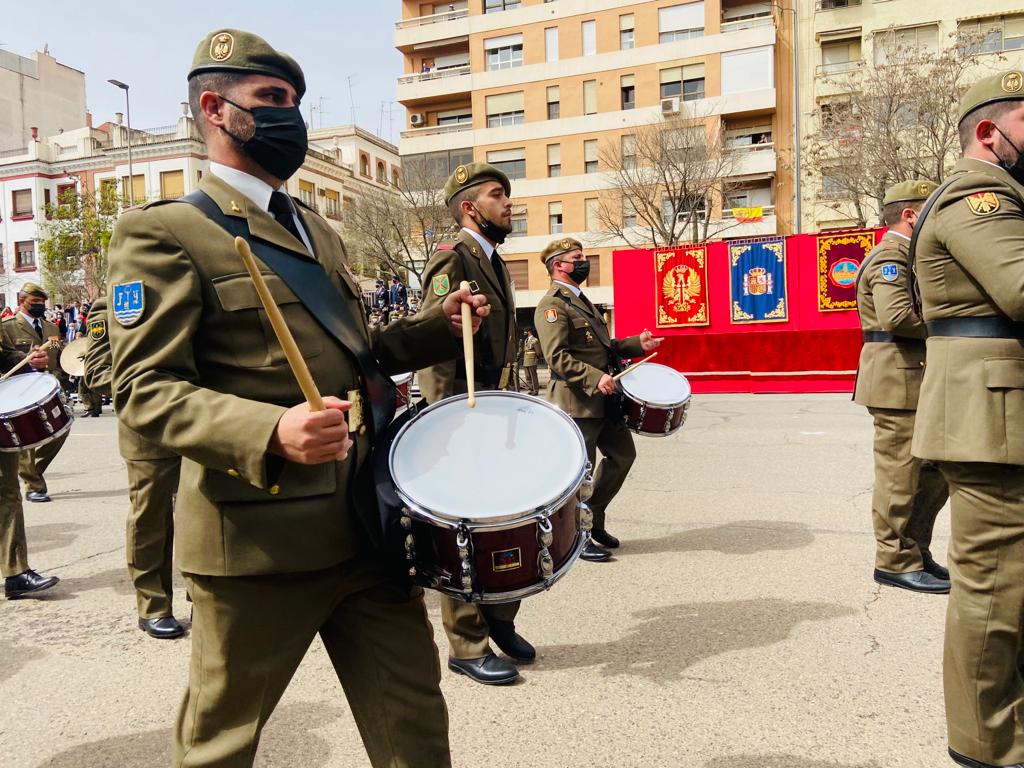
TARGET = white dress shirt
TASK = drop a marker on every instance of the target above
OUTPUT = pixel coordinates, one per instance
(259, 192)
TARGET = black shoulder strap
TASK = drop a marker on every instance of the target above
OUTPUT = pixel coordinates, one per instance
(915, 293)
(307, 281)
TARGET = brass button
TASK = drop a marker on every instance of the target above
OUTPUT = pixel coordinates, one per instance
(234, 473)
(275, 489)
(362, 429)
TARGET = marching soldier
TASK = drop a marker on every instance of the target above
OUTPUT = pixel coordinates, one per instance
(908, 492)
(152, 481)
(478, 197)
(530, 349)
(277, 528)
(582, 356)
(26, 330)
(970, 269)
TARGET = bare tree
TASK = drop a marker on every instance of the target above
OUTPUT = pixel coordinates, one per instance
(888, 123)
(667, 179)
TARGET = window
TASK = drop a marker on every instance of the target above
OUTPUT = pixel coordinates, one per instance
(512, 162)
(680, 22)
(108, 196)
(627, 91)
(590, 156)
(551, 44)
(628, 213)
(749, 138)
(493, 6)
(67, 201)
(627, 32)
(831, 187)
(382, 172)
(555, 218)
(396, 177)
(902, 45)
(588, 30)
(21, 200)
(554, 106)
(504, 52)
(306, 192)
(504, 109)
(590, 214)
(172, 185)
(629, 152)
(519, 273)
(364, 164)
(138, 188)
(455, 116)
(692, 205)
(332, 204)
(748, 70)
(450, 61)
(518, 222)
(25, 256)
(687, 81)
(590, 97)
(554, 160)
(996, 33)
(425, 169)
(594, 280)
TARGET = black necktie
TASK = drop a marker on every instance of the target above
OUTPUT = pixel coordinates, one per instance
(38, 327)
(496, 264)
(281, 210)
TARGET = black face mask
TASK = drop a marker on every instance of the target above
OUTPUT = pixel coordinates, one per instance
(279, 142)
(1015, 169)
(493, 232)
(37, 311)
(580, 271)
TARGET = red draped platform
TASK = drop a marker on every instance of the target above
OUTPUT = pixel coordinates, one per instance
(811, 351)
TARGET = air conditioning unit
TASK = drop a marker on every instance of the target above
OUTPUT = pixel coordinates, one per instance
(417, 119)
(670, 106)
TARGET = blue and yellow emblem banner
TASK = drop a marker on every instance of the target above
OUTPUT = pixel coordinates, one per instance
(757, 281)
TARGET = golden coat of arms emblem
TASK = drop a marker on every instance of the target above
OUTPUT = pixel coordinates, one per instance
(681, 288)
(222, 46)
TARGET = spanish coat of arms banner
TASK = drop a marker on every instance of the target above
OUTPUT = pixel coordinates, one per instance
(681, 286)
(839, 259)
(757, 281)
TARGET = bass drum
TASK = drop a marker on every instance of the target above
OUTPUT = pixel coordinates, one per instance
(32, 411)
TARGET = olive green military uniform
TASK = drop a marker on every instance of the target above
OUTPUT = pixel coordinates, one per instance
(530, 349)
(908, 492)
(13, 544)
(578, 347)
(273, 552)
(463, 258)
(152, 481)
(970, 269)
(19, 333)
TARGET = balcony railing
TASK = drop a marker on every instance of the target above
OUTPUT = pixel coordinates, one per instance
(766, 211)
(839, 67)
(765, 147)
(432, 130)
(14, 152)
(437, 18)
(434, 74)
(740, 24)
(829, 5)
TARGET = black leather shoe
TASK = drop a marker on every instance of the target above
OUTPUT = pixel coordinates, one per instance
(968, 762)
(604, 538)
(595, 554)
(511, 643)
(27, 584)
(164, 628)
(936, 570)
(490, 670)
(915, 581)
(37, 496)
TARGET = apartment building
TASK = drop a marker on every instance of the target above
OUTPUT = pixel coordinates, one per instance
(840, 36)
(541, 87)
(38, 93)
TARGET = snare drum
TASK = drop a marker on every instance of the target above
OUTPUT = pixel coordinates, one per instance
(32, 411)
(492, 497)
(656, 399)
(403, 383)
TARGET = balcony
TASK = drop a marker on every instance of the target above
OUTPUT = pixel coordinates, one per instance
(830, 5)
(429, 29)
(740, 24)
(435, 130)
(753, 159)
(838, 68)
(437, 18)
(434, 74)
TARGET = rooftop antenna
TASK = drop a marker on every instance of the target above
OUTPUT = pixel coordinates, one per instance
(351, 100)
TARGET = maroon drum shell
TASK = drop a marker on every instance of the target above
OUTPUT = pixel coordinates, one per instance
(654, 419)
(30, 427)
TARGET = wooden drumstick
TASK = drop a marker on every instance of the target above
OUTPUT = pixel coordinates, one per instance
(467, 347)
(618, 376)
(24, 362)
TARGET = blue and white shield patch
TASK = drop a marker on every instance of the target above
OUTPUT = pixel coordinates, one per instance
(129, 302)
(890, 272)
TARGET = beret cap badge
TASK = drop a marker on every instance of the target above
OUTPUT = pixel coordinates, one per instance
(1012, 82)
(461, 174)
(222, 46)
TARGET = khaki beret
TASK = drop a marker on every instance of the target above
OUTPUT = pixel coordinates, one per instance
(232, 50)
(466, 176)
(1006, 86)
(911, 191)
(33, 290)
(559, 247)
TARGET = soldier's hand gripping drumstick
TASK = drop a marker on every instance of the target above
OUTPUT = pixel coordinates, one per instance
(648, 343)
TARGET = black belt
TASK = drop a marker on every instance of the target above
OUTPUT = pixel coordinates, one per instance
(881, 336)
(977, 328)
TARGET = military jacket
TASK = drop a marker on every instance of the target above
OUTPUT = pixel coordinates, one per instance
(19, 335)
(576, 343)
(890, 373)
(530, 349)
(495, 344)
(970, 263)
(201, 373)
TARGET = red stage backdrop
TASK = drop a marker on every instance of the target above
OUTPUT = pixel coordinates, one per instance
(814, 350)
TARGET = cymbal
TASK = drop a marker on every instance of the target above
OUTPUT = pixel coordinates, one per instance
(72, 359)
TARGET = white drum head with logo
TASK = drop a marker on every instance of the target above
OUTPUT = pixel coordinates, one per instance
(511, 455)
(656, 385)
(26, 390)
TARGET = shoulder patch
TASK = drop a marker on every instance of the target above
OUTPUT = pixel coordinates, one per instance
(551, 315)
(983, 203)
(441, 285)
(446, 247)
(98, 329)
(129, 302)
(890, 272)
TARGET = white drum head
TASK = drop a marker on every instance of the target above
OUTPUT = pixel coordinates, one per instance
(507, 457)
(656, 385)
(402, 378)
(25, 390)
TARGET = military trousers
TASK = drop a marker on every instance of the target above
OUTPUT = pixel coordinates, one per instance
(532, 381)
(13, 547)
(468, 625)
(33, 463)
(618, 453)
(250, 633)
(983, 660)
(908, 494)
(150, 533)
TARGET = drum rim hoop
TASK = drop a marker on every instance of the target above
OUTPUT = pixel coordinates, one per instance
(656, 403)
(54, 390)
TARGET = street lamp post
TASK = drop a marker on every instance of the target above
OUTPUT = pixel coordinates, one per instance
(128, 114)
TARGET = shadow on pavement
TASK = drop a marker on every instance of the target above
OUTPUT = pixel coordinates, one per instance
(79, 495)
(15, 657)
(43, 538)
(744, 537)
(116, 579)
(287, 741)
(669, 640)
(778, 761)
